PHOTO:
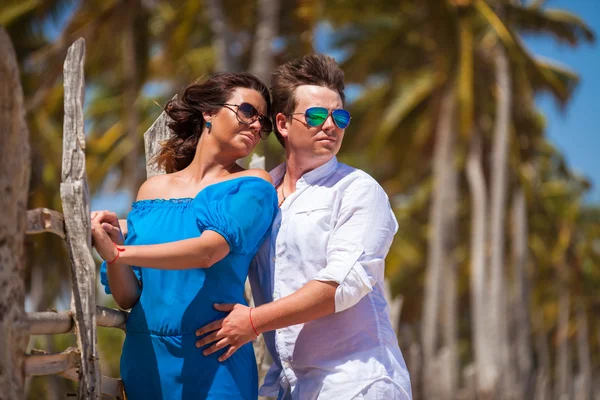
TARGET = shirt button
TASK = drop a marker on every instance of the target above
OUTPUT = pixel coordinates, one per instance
(286, 364)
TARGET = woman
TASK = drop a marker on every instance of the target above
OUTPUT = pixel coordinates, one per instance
(190, 237)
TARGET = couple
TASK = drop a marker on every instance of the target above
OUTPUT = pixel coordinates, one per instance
(312, 236)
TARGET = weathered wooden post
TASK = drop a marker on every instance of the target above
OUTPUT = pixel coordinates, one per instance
(76, 209)
(153, 137)
(14, 186)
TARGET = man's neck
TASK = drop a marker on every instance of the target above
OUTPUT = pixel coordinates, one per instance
(296, 167)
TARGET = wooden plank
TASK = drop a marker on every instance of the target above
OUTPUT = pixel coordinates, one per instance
(49, 322)
(66, 364)
(43, 363)
(14, 186)
(76, 208)
(111, 318)
(153, 139)
(112, 387)
(42, 220)
(52, 322)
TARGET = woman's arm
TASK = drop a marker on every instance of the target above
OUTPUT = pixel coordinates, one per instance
(124, 284)
(201, 252)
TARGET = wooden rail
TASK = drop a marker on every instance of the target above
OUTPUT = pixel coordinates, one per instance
(53, 322)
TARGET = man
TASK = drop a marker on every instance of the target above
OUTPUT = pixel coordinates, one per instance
(318, 280)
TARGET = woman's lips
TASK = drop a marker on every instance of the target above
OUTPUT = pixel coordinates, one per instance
(248, 136)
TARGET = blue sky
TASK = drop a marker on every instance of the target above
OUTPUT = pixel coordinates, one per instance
(575, 132)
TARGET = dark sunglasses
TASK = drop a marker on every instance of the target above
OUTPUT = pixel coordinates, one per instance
(316, 116)
(247, 114)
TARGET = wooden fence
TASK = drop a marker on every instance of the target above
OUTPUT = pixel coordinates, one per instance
(74, 226)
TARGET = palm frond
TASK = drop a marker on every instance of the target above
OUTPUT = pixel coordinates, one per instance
(562, 25)
(14, 10)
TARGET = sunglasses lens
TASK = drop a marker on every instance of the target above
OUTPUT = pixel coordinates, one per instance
(341, 118)
(315, 116)
(247, 112)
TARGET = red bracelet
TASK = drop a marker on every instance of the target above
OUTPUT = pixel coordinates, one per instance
(118, 254)
(251, 323)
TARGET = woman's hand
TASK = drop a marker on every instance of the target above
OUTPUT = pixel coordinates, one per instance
(110, 223)
(104, 245)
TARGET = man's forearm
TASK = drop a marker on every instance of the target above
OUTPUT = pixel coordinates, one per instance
(314, 300)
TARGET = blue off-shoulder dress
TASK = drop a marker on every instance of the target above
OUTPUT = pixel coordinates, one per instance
(160, 359)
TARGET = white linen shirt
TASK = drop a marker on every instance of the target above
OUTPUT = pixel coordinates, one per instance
(337, 226)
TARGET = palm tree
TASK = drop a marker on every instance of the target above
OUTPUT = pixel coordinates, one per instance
(469, 35)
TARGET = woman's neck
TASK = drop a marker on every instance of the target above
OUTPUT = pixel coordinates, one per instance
(210, 162)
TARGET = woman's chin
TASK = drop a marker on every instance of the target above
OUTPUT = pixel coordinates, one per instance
(247, 146)
(244, 152)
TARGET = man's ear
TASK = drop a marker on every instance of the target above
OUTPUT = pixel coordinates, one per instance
(282, 122)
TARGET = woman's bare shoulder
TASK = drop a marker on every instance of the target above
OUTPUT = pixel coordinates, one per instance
(156, 187)
(257, 172)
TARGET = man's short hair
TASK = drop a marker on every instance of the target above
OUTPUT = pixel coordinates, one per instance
(312, 69)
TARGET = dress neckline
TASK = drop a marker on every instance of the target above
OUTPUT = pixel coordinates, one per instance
(184, 200)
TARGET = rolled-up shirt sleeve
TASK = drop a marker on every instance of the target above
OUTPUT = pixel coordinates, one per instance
(360, 239)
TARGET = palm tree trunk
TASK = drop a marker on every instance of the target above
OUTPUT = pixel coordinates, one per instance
(449, 363)
(14, 185)
(263, 61)
(497, 311)
(584, 380)
(542, 385)
(267, 30)
(563, 362)
(222, 37)
(479, 275)
(520, 299)
(133, 177)
(442, 218)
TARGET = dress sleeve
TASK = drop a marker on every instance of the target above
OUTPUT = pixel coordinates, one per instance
(241, 210)
(136, 270)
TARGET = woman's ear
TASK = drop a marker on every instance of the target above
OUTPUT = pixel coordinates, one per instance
(207, 116)
(281, 121)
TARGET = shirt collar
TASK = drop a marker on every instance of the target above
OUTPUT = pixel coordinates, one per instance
(311, 176)
(277, 173)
